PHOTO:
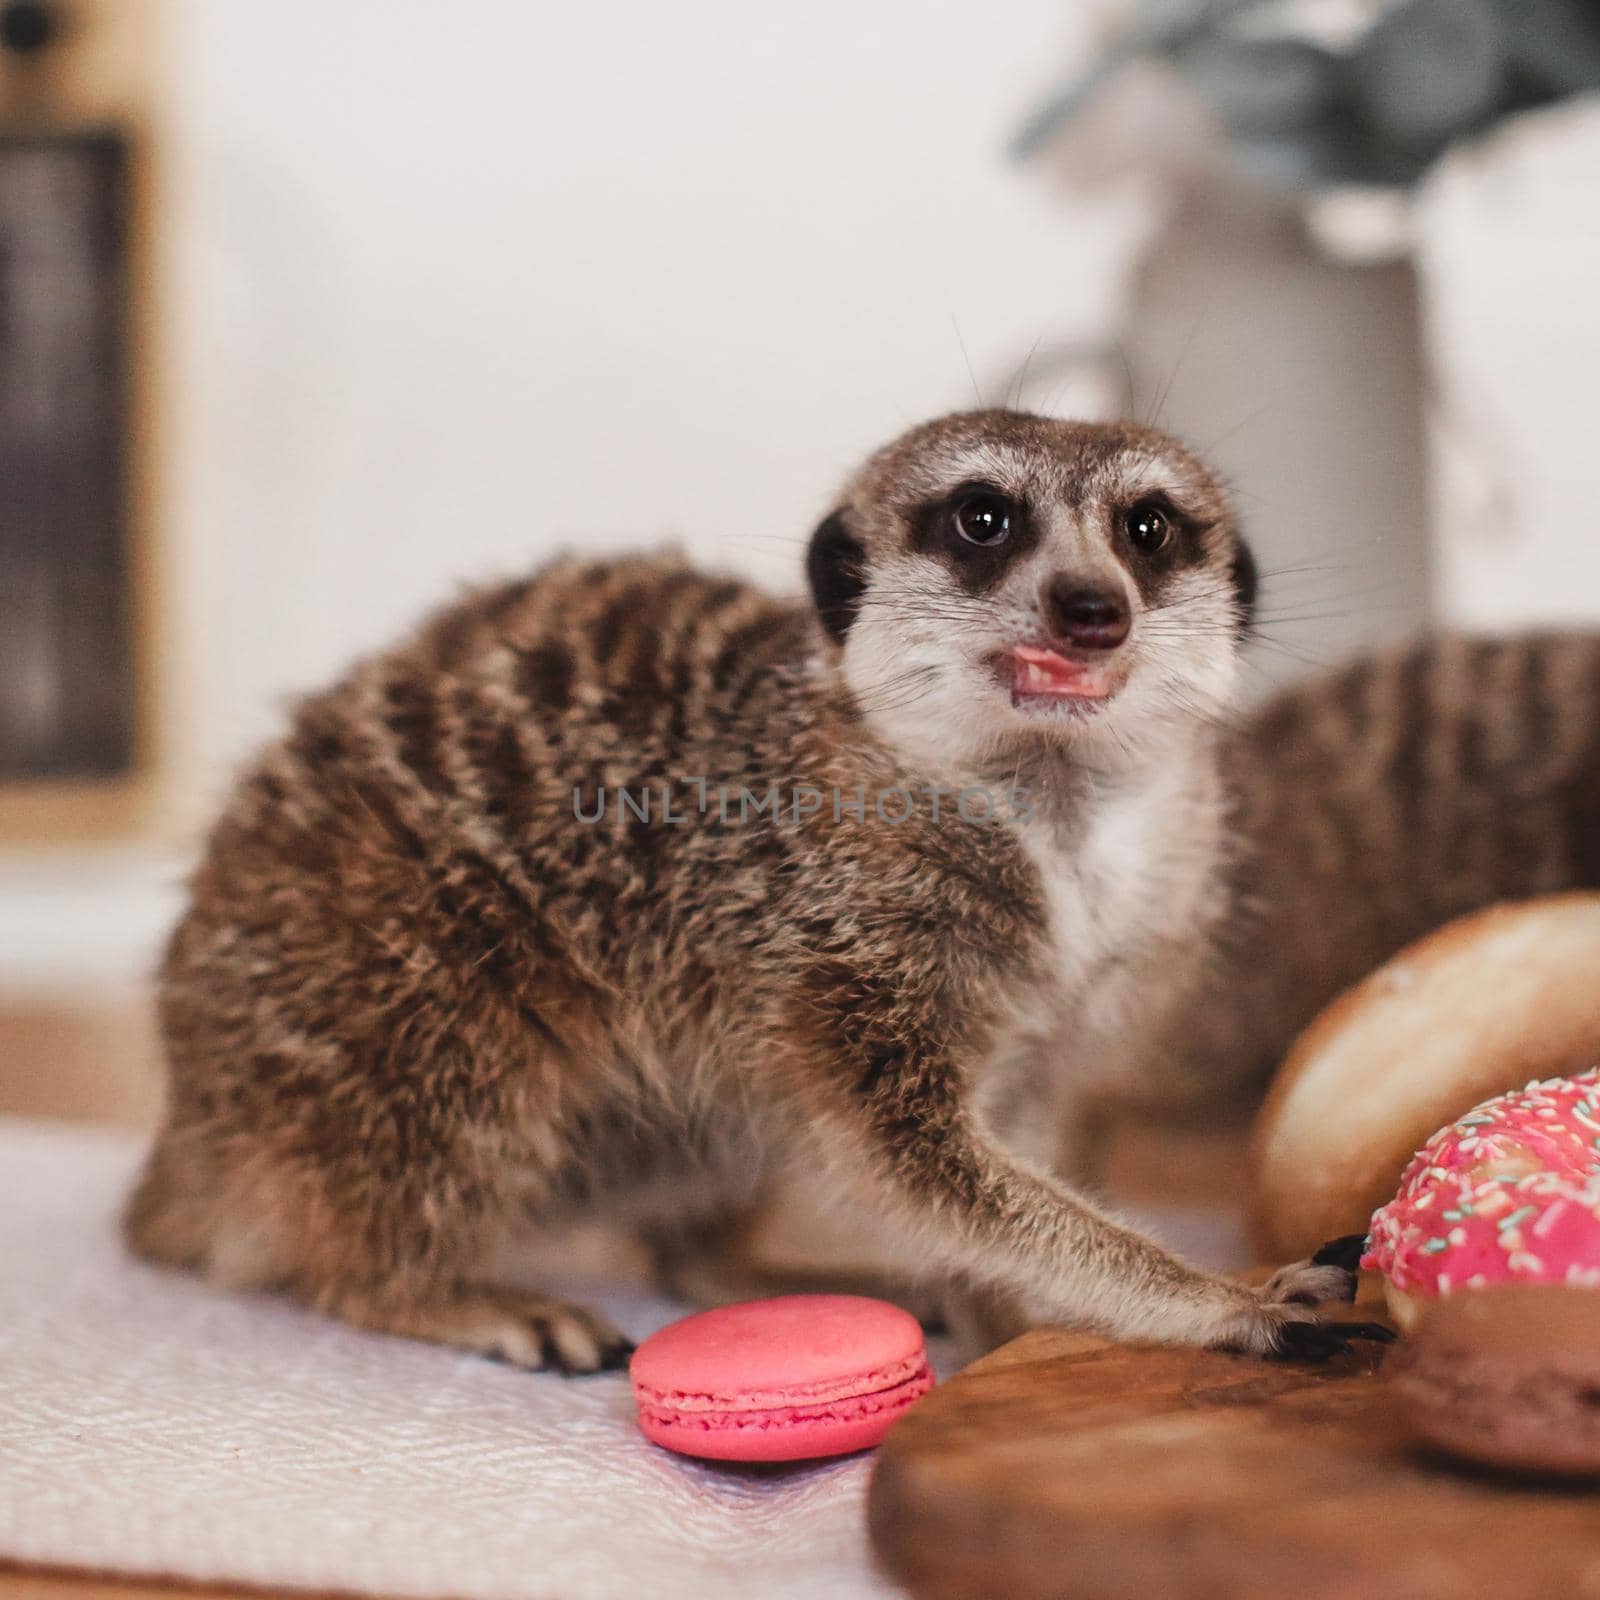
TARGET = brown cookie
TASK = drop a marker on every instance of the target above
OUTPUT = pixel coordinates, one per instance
(1507, 1377)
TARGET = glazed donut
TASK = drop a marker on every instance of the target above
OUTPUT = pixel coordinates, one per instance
(1508, 1193)
(1483, 1005)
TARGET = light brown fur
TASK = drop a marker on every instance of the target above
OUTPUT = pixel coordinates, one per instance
(417, 1005)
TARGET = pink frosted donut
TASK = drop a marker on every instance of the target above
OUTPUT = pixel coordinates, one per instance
(1509, 1193)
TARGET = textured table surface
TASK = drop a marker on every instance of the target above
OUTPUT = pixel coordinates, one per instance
(153, 1428)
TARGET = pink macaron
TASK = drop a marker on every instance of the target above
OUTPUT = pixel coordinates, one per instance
(780, 1380)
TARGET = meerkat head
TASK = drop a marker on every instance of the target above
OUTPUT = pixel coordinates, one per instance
(995, 579)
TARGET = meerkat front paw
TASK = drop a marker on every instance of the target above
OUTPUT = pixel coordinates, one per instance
(1320, 1341)
(533, 1331)
(1285, 1322)
(527, 1330)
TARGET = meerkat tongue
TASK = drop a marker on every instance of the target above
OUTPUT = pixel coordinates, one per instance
(1035, 671)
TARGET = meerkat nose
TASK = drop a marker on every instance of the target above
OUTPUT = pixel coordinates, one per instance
(1086, 618)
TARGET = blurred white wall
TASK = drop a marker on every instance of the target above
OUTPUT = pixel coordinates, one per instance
(457, 286)
(1509, 235)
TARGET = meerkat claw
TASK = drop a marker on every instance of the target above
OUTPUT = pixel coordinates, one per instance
(1345, 1252)
(1321, 1341)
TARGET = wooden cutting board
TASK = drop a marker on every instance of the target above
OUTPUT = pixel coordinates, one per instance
(1065, 1467)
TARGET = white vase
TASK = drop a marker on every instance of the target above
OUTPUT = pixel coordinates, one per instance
(1303, 380)
(1508, 251)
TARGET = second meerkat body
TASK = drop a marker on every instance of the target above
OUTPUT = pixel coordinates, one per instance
(1372, 805)
(470, 953)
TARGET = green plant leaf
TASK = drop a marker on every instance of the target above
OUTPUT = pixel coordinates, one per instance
(1429, 71)
(1261, 87)
(1166, 26)
(1555, 43)
(1338, 149)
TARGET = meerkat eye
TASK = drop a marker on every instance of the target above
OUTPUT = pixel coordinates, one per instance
(982, 518)
(1149, 528)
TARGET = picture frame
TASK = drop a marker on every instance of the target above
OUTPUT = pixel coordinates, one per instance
(82, 751)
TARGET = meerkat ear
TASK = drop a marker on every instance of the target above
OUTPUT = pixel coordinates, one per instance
(836, 566)
(1246, 581)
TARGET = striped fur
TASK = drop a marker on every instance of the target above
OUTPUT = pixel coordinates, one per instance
(1373, 805)
(418, 1006)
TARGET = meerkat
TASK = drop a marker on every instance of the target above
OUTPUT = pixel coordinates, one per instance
(1370, 806)
(614, 889)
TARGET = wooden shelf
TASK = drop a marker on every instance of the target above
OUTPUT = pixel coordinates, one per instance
(108, 72)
